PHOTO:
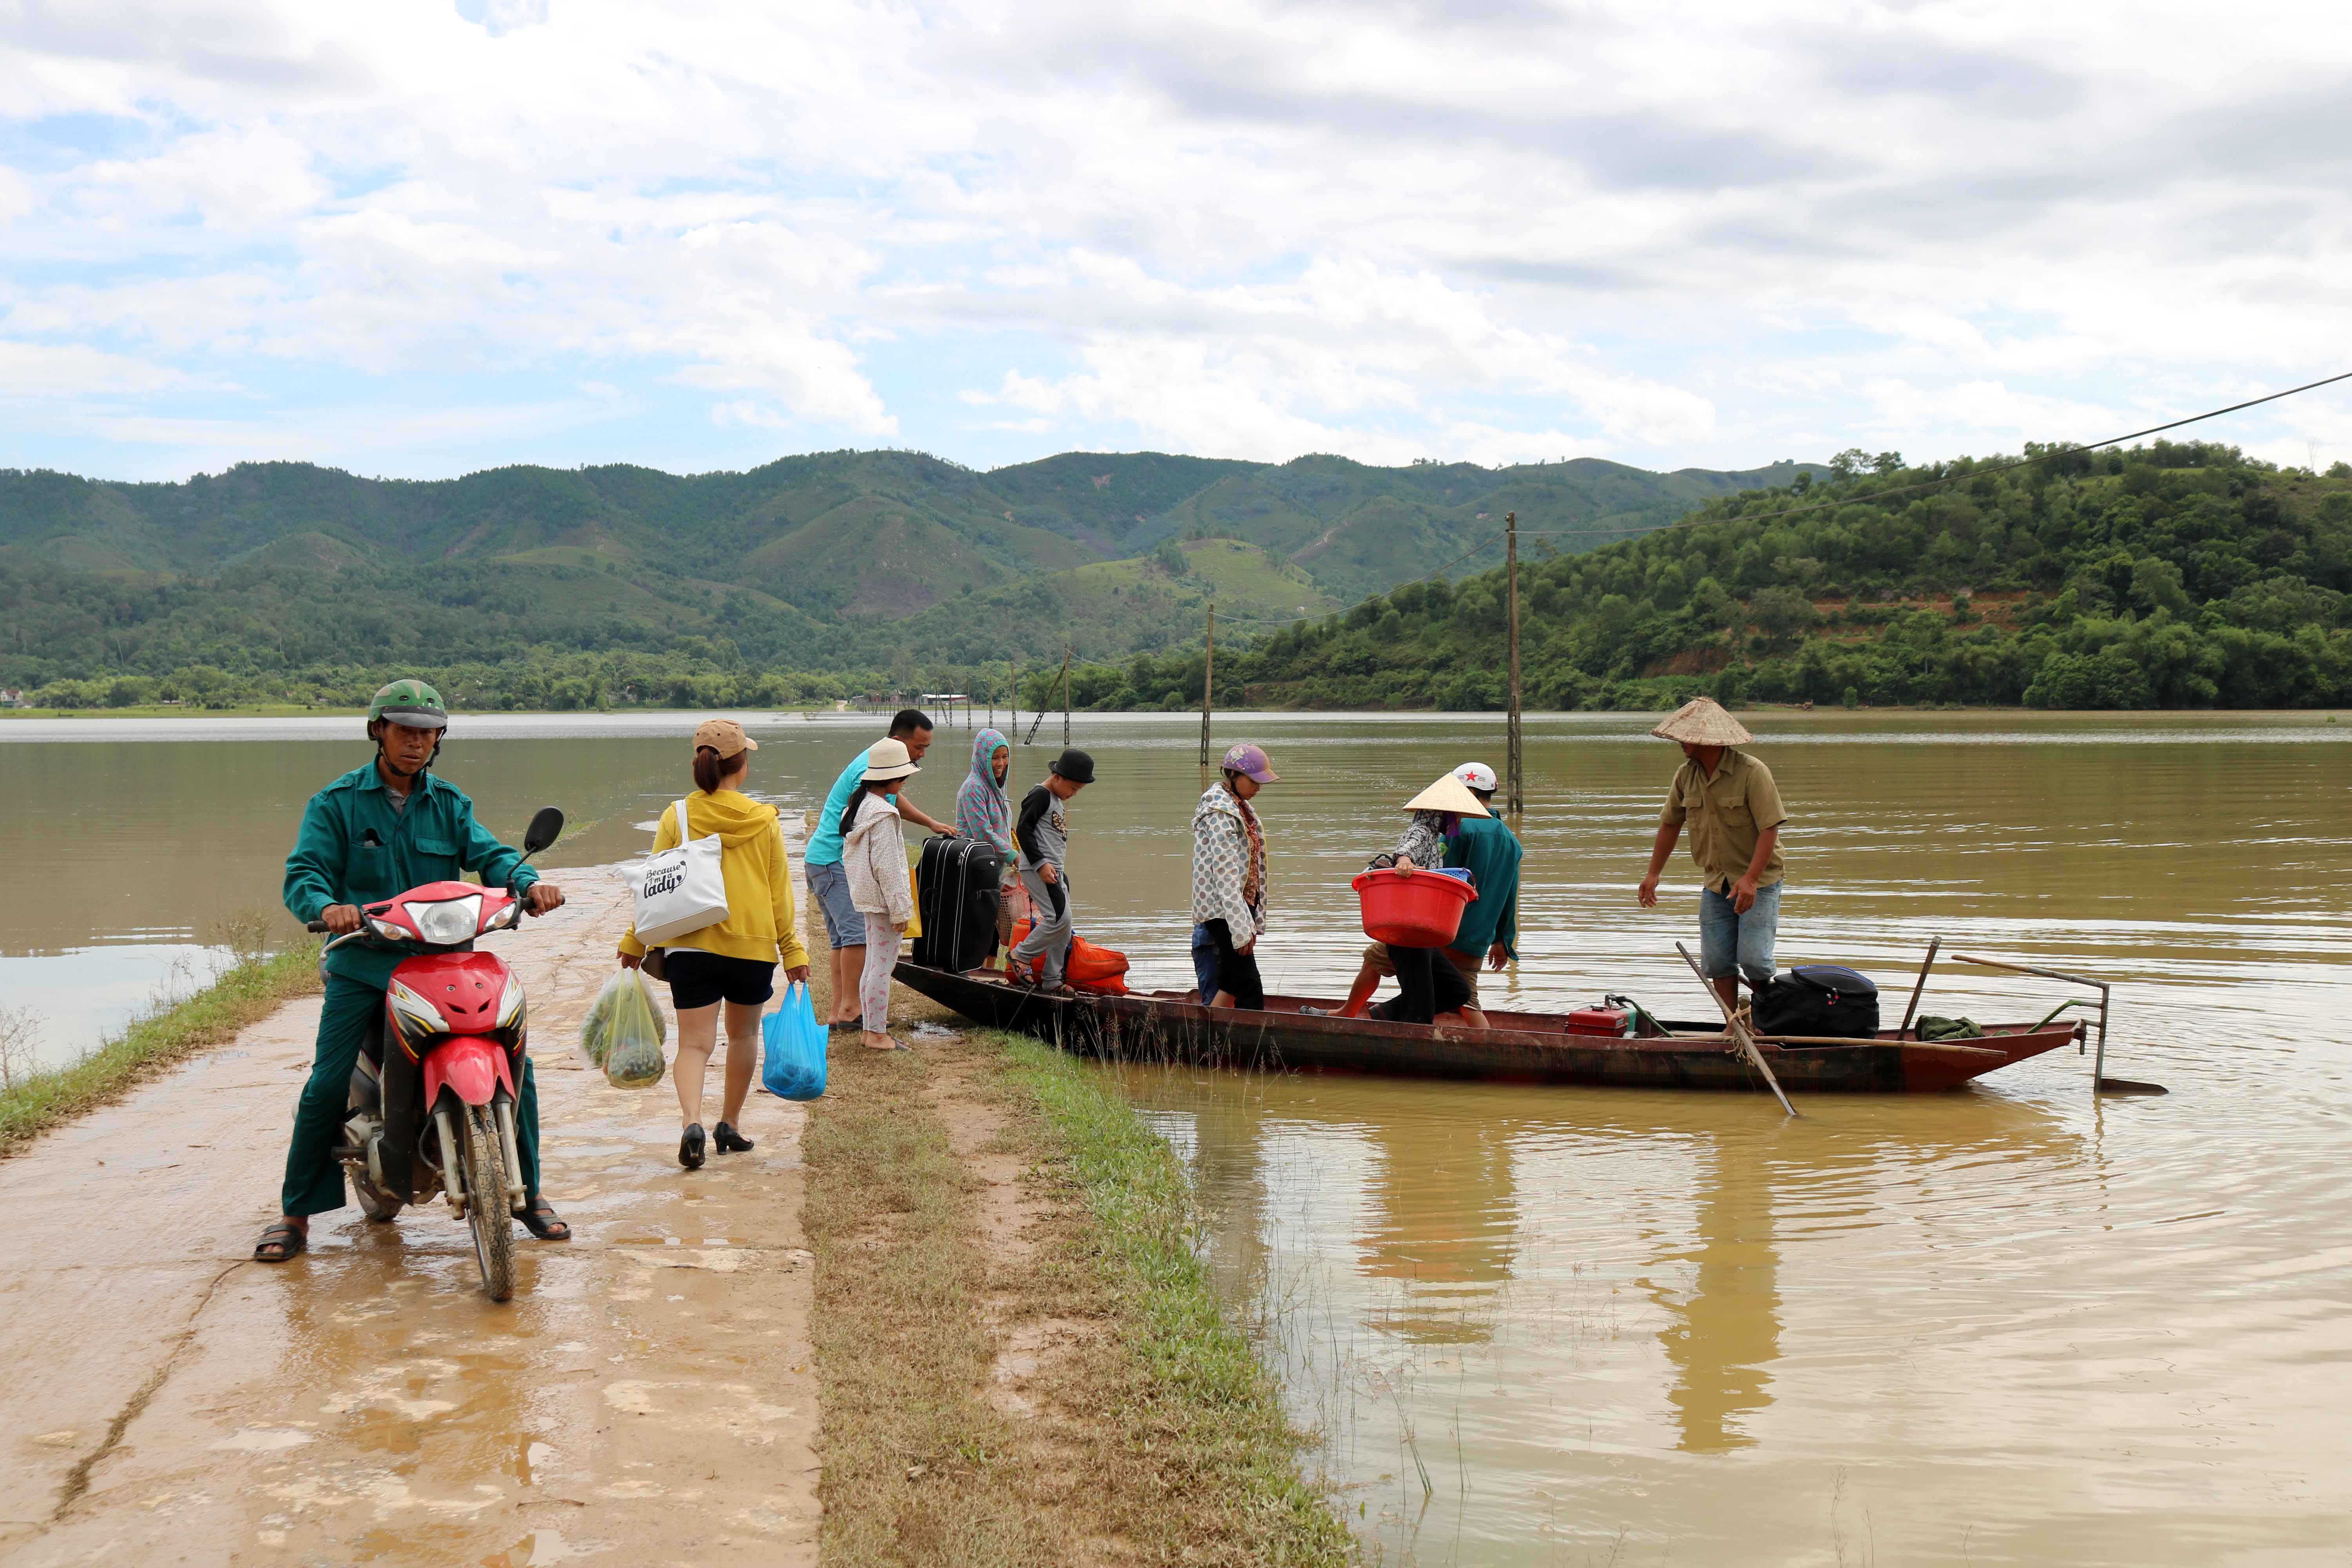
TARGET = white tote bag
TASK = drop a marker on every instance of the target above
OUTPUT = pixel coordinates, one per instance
(681, 889)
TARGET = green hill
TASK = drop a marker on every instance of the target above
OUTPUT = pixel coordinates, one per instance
(849, 569)
(2177, 574)
(2174, 575)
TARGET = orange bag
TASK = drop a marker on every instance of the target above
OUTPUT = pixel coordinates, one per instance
(1087, 966)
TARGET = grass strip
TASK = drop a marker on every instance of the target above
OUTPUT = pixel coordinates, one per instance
(1154, 1436)
(912, 1455)
(1200, 1405)
(152, 1042)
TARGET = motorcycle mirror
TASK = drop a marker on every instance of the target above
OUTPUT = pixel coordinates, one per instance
(546, 827)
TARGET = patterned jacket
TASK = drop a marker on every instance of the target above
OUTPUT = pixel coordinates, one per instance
(1424, 840)
(1222, 864)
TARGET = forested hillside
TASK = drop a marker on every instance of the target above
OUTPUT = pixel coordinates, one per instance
(2173, 575)
(829, 573)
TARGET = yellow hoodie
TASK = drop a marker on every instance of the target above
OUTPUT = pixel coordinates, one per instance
(760, 923)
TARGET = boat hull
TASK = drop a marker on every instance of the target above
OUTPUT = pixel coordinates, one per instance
(1522, 1047)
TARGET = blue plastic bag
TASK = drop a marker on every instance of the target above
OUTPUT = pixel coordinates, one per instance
(792, 1047)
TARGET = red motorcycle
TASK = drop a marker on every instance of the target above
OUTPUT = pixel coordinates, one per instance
(439, 1113)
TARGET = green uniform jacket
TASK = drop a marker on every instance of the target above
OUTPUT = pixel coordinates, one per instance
(356, 849)
(1492, 853)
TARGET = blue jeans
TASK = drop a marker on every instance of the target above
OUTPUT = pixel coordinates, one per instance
(1725, 938)
(1205, 967)
(829, 885)
(1219, 967)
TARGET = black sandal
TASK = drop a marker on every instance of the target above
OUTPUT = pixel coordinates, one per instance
(857, 1023)
(689, 1148)
(538, 1217)
(290, 1241)
(730, 1142)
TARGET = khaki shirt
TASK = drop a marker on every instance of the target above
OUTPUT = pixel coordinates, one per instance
(1727, 815)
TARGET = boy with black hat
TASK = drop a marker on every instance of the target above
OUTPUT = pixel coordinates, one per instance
(1041, 834)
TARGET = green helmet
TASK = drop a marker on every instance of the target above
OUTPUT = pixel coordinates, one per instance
(409, 702)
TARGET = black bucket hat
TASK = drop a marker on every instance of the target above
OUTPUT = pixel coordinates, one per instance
(1074, 765)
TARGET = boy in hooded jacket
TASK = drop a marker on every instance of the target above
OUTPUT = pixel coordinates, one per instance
(1042, 836)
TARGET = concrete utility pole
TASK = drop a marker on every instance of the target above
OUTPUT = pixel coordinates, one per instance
(1013, 674)
(1208, 684)
(1066, 697)
(1515, 801)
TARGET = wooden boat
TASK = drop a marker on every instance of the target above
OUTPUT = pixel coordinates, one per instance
(1520, 1048)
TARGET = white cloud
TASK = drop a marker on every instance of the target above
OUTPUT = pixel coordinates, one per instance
(1675, 235)
(1993, 408)
(34, 374)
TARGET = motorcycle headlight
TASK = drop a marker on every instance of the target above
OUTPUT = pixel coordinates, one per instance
(450, 921)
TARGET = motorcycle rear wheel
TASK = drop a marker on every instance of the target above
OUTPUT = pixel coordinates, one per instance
(486, 1203)
(375, 1202)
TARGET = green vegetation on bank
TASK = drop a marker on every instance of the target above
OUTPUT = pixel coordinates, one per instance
(32, 1103)
(2173, 575)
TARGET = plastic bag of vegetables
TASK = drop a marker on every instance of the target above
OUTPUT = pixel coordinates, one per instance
(624, 1032)
(596, 1028)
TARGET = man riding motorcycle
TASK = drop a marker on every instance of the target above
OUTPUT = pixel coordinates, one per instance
(374, 832)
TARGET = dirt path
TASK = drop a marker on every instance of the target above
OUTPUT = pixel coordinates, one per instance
(648, 1397)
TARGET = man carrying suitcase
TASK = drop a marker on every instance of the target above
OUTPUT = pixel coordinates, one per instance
(829, 884)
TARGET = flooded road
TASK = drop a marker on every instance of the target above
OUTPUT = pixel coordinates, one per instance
(648, 1395)
(1534, 1326)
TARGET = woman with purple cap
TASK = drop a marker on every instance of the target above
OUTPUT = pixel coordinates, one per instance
(1229, 882)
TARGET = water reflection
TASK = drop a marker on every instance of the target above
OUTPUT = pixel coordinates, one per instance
(1725, 1332)
(1444, 1216)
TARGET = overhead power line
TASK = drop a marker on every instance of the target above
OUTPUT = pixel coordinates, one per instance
(1948, 478)
(1811, 506)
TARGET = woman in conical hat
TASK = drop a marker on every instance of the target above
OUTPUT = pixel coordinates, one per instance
(1427, 982)
(1436, 812)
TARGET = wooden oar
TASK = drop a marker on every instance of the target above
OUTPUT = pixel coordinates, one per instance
(1739, 1030)
(1933, 944)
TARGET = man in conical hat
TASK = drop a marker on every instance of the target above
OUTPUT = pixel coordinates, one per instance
(1734, 815)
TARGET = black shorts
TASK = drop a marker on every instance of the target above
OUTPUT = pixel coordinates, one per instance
(699, 979)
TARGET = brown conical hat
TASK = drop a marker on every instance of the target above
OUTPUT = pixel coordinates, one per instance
(1448, 794)
(1701, 722)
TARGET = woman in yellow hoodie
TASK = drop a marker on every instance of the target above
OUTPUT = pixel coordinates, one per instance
(732, 964)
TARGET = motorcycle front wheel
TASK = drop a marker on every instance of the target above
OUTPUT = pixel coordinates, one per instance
(486, 1203)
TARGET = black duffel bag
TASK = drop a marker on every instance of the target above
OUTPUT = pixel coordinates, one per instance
(956, 894)
(1819, 999)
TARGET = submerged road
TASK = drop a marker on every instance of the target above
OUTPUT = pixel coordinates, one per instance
(648, 1396)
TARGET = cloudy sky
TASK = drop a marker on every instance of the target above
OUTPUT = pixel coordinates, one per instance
(419, 236)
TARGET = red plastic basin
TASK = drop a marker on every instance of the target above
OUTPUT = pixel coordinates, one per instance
(1420, 908)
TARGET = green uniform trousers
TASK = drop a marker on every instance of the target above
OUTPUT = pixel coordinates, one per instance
(314, 1180)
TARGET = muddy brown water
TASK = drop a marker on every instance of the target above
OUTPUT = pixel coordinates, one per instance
(2011, 1324)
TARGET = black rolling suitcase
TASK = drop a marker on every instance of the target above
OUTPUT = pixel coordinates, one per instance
(956, 894)
(1820, 1000)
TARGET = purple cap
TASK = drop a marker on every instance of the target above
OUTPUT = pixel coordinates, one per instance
(1250, 763)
